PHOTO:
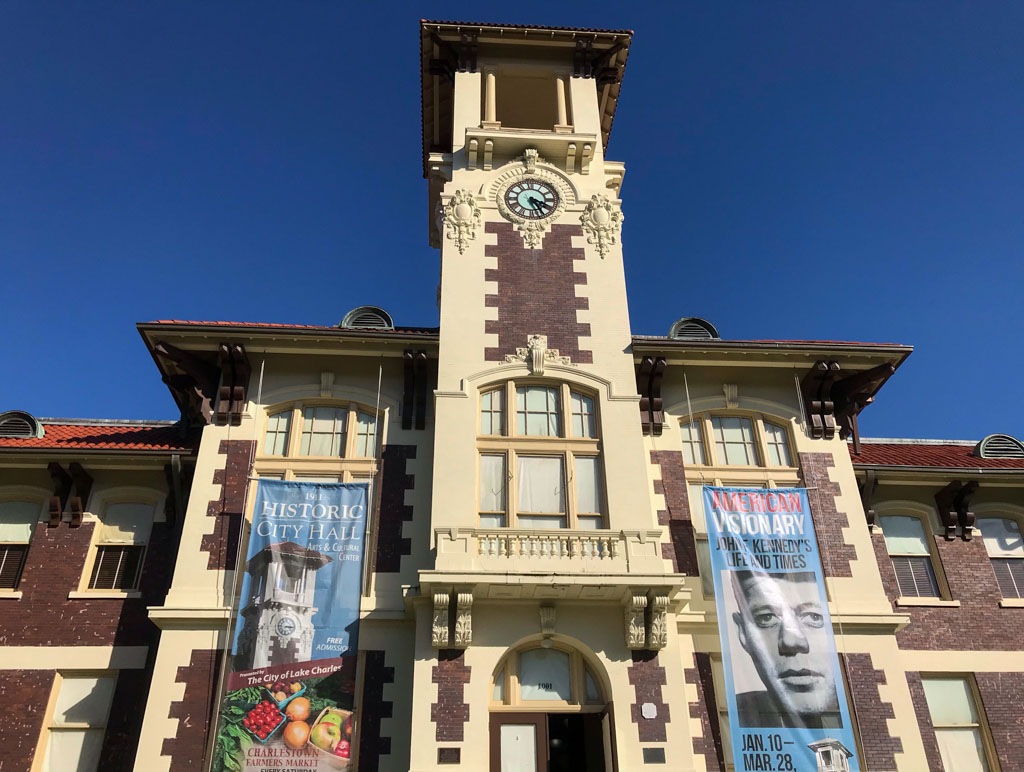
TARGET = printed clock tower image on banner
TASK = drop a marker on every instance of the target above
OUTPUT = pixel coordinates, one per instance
(278, 628)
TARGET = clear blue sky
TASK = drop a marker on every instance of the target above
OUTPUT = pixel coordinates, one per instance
(849, 171)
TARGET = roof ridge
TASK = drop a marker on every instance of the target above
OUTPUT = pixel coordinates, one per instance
(911, 441)
(141, 423)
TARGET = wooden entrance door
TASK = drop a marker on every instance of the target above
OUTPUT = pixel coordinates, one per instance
(519, 742)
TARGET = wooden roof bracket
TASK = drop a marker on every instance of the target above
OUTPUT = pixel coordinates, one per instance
(868, 486)
(817, 392)
(62, 483)
(234, 383)
(415, 388)
(83, 487)
(196, 384)
(649, 375)
(953, 503)
(855, 392)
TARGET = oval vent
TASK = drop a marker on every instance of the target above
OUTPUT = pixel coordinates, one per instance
(1000, 446)
(692, 328)
(367, 318)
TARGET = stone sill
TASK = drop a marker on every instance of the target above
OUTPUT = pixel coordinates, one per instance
(928, 602)
(107, 594)
(10, 595)
(1012, 603)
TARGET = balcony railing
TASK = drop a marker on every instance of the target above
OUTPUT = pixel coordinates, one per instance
(547, 544)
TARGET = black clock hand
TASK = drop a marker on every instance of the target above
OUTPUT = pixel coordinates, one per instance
(536, 204)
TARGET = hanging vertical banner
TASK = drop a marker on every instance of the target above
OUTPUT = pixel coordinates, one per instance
(787, 705)
(290, 688)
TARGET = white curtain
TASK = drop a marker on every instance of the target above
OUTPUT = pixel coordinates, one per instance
(126, 523)
(1002, 537)
(17, 519)
(492, 483)
(541, 484)
(588, 500)
(904, 535)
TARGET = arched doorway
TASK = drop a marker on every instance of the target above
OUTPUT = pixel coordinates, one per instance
(550, 712)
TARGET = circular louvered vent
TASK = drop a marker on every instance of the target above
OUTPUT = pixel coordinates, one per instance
(367, 318)
(1000, 446)
(692, 328)
(15, 423)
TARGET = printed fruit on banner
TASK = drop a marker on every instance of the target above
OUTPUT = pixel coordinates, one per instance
(298, 709)
(326, 736)
(296, 734)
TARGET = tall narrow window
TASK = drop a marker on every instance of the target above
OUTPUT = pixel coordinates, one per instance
(907, 546)
(1006, 553)
(492, 490)
(588, 493)
(777, 441)
(79, 723)
(541, 492)
(492, 412)
(366, 429)
(123, 532)
(957, 724)
(693, 442)
(537, 413)
(17, 520)
(584, 423)
(734, 440)
(323, 431)
(276, 443)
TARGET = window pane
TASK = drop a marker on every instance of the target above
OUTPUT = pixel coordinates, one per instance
(588, 494)
(542, 522)
(365, 436)
(778, 445)
(693, 443)
(492, 521)
(544, 675)
(316, 478)
(126, 523)
(734, 440)
(590, 523)
(74, 750)
(583, 420)
(492, 412)
(499, 687)
(277, 433)
(592, 693)
(707, 579)
(961, 750)
(492, 483)
(949, 701)
(537, 411)
(17, 519)
(83, 701)
(904, 536)
(541, 484)
(915, 576)
(323, 431)
(1002, 537)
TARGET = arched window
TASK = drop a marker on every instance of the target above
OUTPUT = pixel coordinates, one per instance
(17, 521)
(546, 676)
(541, 468)
(907, 542)
(1005, 548)
(334, 430)
(748, 440)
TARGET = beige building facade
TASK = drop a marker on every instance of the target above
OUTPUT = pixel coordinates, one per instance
(537, 591)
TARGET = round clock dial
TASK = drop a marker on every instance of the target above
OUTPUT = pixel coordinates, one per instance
(531, 199)
(285, 626)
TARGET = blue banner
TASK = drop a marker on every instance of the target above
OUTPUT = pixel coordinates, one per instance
(290, 690)
(787, 702)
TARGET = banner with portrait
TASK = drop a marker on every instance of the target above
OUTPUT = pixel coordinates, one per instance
(290, 685)
(787, 701)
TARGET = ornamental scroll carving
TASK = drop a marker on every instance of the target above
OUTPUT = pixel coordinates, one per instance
(657, 637)
(635, 626)
(463, 620)
(439, 629)
(537, 354)
(461, 219)
(601, 221)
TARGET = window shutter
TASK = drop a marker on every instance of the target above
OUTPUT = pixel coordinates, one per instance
(116, 568)
(915, 577)
(12, 560)
(1010, 575)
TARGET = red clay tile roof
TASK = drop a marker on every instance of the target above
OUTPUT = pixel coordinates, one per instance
(940, 456)
(665, 338)
(99, 436)
(279, 326)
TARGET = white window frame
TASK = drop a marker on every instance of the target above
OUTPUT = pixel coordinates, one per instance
(928, 520)
(100, 502)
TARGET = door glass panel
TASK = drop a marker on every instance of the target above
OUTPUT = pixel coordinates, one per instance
(544, 675)
(518, 748)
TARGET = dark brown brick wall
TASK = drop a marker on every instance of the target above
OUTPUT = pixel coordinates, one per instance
(536, 292)
(188, 746)
(829, 522)
(124, 726)
(23, 696)
(682, 547)
(647, 677)
(372, 745)
(228, 508)
(872, 713)
(1002, 698)
(980, 623)
(451, 711)
(393, 511)
(705, 708)
(924, 722)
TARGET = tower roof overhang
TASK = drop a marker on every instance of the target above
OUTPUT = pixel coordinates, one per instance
(447, 47)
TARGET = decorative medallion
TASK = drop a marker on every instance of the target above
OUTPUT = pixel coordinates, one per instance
(601, 220)
(461, 219)
(536, 354)
(531, 196)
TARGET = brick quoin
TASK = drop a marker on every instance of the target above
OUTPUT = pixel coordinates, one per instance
(23, 696)
(647, 677)
(829, 522)
(228, 508)
(451, 711)
(372, 745)
(1001, 701)
(393, 511)
(682, 546)
(706, 709)
(194, 711)
(536, 292)
(924, 722)
(880, 748)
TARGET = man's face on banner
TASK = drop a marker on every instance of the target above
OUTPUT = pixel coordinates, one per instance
(782, 627)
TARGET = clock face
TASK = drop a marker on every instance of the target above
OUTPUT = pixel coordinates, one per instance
(531, 199)
(285, 626)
